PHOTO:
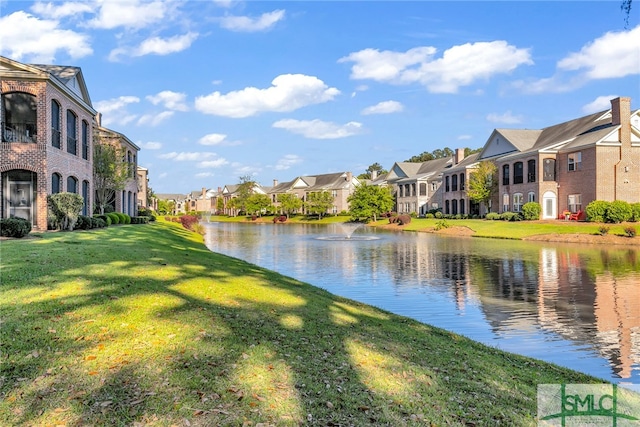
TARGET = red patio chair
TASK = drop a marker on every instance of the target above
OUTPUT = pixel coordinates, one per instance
(575, 216)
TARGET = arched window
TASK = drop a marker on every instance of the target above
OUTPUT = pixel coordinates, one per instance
(505, 202)
(531, 171)
(85, 140)
(19, 111)
(72, 133)
(461, 182)
(531, 197)
(454, 182)
(505, 175)
(72, 185)
(518, 173)
(454, 207)
(56, 179)
(462, 206)
(518, 200)
(55, 124)
(549, 170)
(446, 184)
(446, 206)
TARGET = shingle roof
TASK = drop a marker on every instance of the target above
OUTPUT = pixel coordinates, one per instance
(63, 72)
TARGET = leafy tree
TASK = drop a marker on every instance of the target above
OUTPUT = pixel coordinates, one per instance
(319, 202)
(368, 201)
(289, 203)
(220, 204)
(110, 173)
(66, 208)
(256, 203)
(424, 157)
(626, 8)
(439, 154)
(377, 167)
(483, 182)
(245, 189)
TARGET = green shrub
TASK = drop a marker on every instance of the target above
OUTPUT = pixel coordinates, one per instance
(83, 223)
(597, 211)
(122, 217)
(441, 224)
(630, 231)
(14, 227)
(603, 229)
(438, 214)
(98, 222)
(139, 220)
(635, 208)
(507, 216)
(66, 208)
(429, 216)
(127, 219)
(619, 211)
(492, 216)
(105, 218)
(531, 211)
(115, 219)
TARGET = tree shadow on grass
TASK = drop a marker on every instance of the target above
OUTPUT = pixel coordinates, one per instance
(185, 334)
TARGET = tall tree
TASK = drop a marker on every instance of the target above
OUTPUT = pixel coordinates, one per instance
(369, 201)
(246, 188)
(483, 183)
(319, 202)
(289, 203)
(110, 172)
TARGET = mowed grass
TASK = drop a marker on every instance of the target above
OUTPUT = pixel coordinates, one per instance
(142, 325)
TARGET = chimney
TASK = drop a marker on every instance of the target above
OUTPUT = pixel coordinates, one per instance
(99, 119)
(459, 156)
(349, 177)
(204, 192)
(621, 116)
(275, 182)
(374, 175)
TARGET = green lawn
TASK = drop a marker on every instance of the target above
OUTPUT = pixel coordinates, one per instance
(142, 325)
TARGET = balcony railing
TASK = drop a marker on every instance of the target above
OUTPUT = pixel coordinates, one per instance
(18, 132)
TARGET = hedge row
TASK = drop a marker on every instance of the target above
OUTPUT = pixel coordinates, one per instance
(14, 227)
(613, 212)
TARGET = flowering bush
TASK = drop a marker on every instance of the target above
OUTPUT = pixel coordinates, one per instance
(188, 221)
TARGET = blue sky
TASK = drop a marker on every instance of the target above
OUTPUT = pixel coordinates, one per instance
(215, 90)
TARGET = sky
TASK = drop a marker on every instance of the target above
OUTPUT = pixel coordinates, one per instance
(212, 91)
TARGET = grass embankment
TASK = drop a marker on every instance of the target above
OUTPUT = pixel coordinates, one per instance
(142, 324)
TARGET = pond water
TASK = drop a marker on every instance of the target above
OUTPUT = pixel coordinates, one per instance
(574, 305)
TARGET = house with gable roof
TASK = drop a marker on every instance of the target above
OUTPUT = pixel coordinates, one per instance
(46, 137)
(416, 186)
(566, 166)
(340, 184)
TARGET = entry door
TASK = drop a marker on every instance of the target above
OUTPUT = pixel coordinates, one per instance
(549, 205)
(20, 197)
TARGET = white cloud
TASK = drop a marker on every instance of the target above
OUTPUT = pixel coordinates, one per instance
(459, 66)
(155, 46)
(150, 145)
(212, 139)
(115, 104)
(384, 107)
(187, 156)
(288, 92)
(131, 14)
(204, 174)
(614, 55)
(507, 118)
(170, 100)
(464, 137)
(247, 24)
(61, 10)
(318, 129)
(154, 119)
(601, 103)
(38, 40)
(213, 163)
(287, 161)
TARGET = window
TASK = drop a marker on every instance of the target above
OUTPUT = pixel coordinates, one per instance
(575, 202)
(575, 161)
(85, 197)
(55, 124)
(531, 197)
(400, 187)
(85, 140)
(72, 136)
(505, 175)
(454, 182)
(454, 207)
(517, 202)
(55, 183)
(505, 202)
(423, 188)
(413, 189)
(462, 206)
(130, 164)
(531, 171)
(461, 182)
(434, 186)
(446, 206)
(334, 193)
(446, 183)
(549, 170)
(407, 190)
(518, 173)
(20, 117)
(72, 185)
